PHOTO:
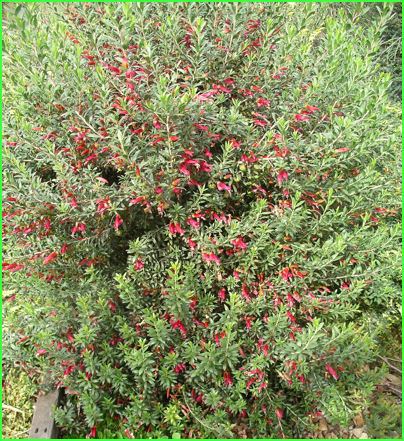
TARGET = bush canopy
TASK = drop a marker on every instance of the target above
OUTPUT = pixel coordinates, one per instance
(201, 213)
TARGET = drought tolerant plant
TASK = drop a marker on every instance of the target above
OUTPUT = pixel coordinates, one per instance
(201, 213)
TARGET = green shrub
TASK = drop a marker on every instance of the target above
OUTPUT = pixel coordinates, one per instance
(201, 213)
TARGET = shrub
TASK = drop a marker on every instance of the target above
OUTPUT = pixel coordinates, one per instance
(200, 213)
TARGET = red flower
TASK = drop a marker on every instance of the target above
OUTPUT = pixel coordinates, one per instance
(331, 371)
(156, 122)
(245, 292)
(311, 109)
(81, 227)
(183, 168)
(222, 294)
(197, 397)
(179, 325)
(229, 81)
(199, 323)
(87, 262)
(301, 378)
(180, 367)
(208, 153)
(260, 122)
(239, 243)
(301, 117)
(205, 167)
(52, 256)
(41, 352)
(221, 218)
(130, 74)
(138, 265)
(12, 267)
(282, 176)
(234, 143)
(69, 370)
(175, 228)
(103, 180)
(158, 190)
(279, 413)
(22, 340)
(292, 318)
(201, 127)
(211, 257)
(263, 347)
(249, 159)
(73, 203)
(93, 432)
(243, 414)
(262, 102)
(91, 158)
(113, 69)
(193, 223)
(118, 222)
(223, 187)
(112, 305)
(286, 274)
(191, 243)
(227, 378)
(218, 337)
(247, 322)
(193, 303)
(69, 336)
(102, 205)
(47, 224)
(138, 200)
(64, 249)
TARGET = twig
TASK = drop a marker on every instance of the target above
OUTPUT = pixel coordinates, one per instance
(203, 424)
(14, 409)
(17, 434)
(393, 389)
(390, 365)
(86, 123)
(394, 359)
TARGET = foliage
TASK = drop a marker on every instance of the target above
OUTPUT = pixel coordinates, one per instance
(391, 50)
(18, 392)
(201, 212)
(384, 420)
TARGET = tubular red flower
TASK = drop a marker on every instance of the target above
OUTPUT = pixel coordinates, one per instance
(282, 176)
(211, 257)
(227, 378)
(239, 243)
(139, 264)
(118, 222)
(175, 228)
(50, 258)
(331, 371)
(222, 294)
(223, 187)
(301, 117)
(93, 432)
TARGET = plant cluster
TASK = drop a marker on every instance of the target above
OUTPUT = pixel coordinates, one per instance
(201, 213)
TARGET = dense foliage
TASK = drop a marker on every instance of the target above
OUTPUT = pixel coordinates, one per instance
(201, 213)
